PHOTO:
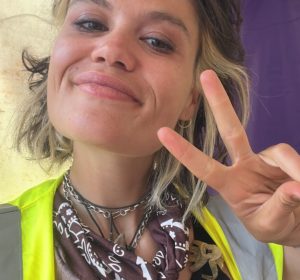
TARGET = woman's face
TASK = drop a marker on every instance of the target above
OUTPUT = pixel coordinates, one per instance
(121, 69)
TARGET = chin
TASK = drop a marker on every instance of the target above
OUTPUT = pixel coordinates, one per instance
(118, 144)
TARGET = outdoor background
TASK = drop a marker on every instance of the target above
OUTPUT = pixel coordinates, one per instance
(271, 38)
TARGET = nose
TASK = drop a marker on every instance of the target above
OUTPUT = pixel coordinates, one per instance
(114, 49)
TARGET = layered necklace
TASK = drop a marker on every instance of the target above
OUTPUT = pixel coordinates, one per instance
(111, 214)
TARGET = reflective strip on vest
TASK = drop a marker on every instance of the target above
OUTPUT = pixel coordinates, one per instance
(253, 258)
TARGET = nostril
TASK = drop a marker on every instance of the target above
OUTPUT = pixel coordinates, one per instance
(100, 59)
(113, 57)
(120, 64)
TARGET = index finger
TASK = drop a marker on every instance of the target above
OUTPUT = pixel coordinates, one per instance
(202, 166)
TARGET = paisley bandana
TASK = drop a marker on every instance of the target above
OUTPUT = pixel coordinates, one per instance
(83, 254)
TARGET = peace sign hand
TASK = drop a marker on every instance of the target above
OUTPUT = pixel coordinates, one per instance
(262, 189)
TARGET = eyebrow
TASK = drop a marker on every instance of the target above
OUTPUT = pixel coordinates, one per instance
(102, 3)
(154, 15)
(163, 16)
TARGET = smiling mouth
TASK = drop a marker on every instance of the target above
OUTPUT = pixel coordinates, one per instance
(102, 91)
(103, 86)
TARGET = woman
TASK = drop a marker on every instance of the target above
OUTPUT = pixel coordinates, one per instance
(119, 71)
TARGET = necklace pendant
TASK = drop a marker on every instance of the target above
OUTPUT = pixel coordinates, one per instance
(120, 240)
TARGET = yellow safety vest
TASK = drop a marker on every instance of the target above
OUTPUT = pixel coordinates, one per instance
(245, 257)
(36, 206)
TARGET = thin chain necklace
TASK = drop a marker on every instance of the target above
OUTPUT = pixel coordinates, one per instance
(111, 213)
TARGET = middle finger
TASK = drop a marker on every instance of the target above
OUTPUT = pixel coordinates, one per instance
(228, 123)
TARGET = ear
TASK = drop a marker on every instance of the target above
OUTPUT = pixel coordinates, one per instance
(190, 106)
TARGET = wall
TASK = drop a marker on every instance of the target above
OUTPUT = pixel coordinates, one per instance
(23, 24)
(271, 38)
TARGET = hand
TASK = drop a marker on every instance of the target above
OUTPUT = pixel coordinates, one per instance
(262, 189)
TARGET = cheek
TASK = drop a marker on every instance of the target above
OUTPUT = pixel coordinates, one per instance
(172, 93)
(62, 56)
(66, 52)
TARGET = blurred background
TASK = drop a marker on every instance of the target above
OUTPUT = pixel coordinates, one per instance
(271, 37)
(23, 25)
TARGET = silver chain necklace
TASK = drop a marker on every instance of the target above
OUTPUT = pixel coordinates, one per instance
(70, 191)
(111, 213)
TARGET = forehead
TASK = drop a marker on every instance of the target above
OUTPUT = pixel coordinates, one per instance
(175, 5)
(109, 3)
(104, 3)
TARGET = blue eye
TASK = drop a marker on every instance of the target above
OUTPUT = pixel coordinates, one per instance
(90, 25)
(159, 45)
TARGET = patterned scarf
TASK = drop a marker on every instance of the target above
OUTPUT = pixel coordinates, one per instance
(86, 255)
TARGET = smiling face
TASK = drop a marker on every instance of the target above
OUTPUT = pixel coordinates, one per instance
(120, 70)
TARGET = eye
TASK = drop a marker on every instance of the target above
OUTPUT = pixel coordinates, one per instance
(159, 45)
(90, 25)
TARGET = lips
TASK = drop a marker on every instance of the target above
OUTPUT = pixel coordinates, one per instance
(105, 86)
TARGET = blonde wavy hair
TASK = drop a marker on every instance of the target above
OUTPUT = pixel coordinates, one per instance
(220, 50)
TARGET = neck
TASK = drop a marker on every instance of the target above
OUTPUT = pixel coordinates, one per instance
(108, 179)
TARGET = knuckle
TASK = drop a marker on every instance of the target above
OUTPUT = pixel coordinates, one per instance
(208, 168)
(265, 230)
(186, 153)
(234, 132)
(282, 148)
(286, 201)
